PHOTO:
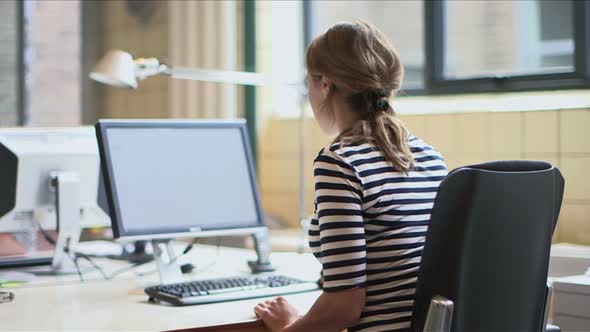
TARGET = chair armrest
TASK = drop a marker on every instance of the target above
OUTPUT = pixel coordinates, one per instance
(548, 295)
(440, 313)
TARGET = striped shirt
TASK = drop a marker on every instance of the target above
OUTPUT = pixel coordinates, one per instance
(369, 226)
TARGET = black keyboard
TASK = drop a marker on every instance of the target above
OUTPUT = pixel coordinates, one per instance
(228, 289)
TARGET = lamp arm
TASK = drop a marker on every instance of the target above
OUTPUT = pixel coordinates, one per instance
(221, 76)
(230, 77)
(146, 67)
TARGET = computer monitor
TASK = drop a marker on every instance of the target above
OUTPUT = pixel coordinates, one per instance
(177, 178)
(29, 157)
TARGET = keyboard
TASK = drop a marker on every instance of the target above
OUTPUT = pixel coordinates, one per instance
(228, 289)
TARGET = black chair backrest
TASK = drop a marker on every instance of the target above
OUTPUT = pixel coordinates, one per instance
(488, 243)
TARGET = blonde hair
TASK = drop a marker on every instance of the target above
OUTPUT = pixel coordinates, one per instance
(366, 70)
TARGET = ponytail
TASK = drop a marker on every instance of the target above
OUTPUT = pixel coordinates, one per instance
(391, 136)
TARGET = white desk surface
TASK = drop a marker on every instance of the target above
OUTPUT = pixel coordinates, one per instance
(64, 303)
(573, 284)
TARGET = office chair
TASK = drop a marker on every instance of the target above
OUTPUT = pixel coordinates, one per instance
(486, 256)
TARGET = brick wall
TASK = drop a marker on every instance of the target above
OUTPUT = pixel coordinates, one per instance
(8, 63)
(55, 90)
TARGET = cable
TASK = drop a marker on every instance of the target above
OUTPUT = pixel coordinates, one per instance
(143, 274)
(73, 258)
(186, 250)
(77, 268)
(46, 235)
(77, 255)
(212, 264)
(91, 261)
(125, 269)
(53, 242)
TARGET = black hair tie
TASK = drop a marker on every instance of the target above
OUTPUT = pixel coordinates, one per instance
(379, 101)
(381, 104)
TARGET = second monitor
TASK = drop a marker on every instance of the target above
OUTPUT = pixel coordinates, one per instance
(49, 180)
(171, 178)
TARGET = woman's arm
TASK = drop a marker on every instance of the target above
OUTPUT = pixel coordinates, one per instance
(339, 243)
(333, 311)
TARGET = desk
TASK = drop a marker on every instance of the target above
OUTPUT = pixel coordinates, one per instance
(63, 303)
(572, 303)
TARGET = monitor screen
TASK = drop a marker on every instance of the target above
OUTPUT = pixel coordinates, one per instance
(177, 177)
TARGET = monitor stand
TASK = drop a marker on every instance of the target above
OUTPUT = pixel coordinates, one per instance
(67, 196)
(138, 255)
(66, 186)
(262, 247)
(166, 262)
(168, 265)
(67, 209)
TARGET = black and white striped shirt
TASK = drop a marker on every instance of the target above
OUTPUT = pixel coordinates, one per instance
(369, 226)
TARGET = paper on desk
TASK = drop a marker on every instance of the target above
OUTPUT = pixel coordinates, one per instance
(99, 248)
(15, 278)
(570, 250)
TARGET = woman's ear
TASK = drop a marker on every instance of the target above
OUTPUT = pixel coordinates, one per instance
(327, 87)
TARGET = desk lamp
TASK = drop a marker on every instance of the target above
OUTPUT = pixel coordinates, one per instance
(119, 69)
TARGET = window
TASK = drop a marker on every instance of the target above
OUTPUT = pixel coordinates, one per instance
(40, 63)
(483, 46)
(455, 46)
(556, 38)
(280, 52)
(487, 38)
(401, 21)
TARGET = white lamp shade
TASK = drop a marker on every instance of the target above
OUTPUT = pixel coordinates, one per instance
(116, 68)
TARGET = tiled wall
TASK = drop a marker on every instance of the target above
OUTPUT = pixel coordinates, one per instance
(560, 137)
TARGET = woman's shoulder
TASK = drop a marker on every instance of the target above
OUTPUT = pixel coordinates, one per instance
(419, 145)
(350, 151)
(345, 149)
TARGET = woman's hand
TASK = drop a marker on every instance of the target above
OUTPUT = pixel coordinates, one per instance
(276, 314)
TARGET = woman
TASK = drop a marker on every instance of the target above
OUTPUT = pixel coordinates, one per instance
(374, 189)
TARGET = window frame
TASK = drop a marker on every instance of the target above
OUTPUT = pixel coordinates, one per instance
(436, 83)
(249, 58)
(434, 59)
(23, 116)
